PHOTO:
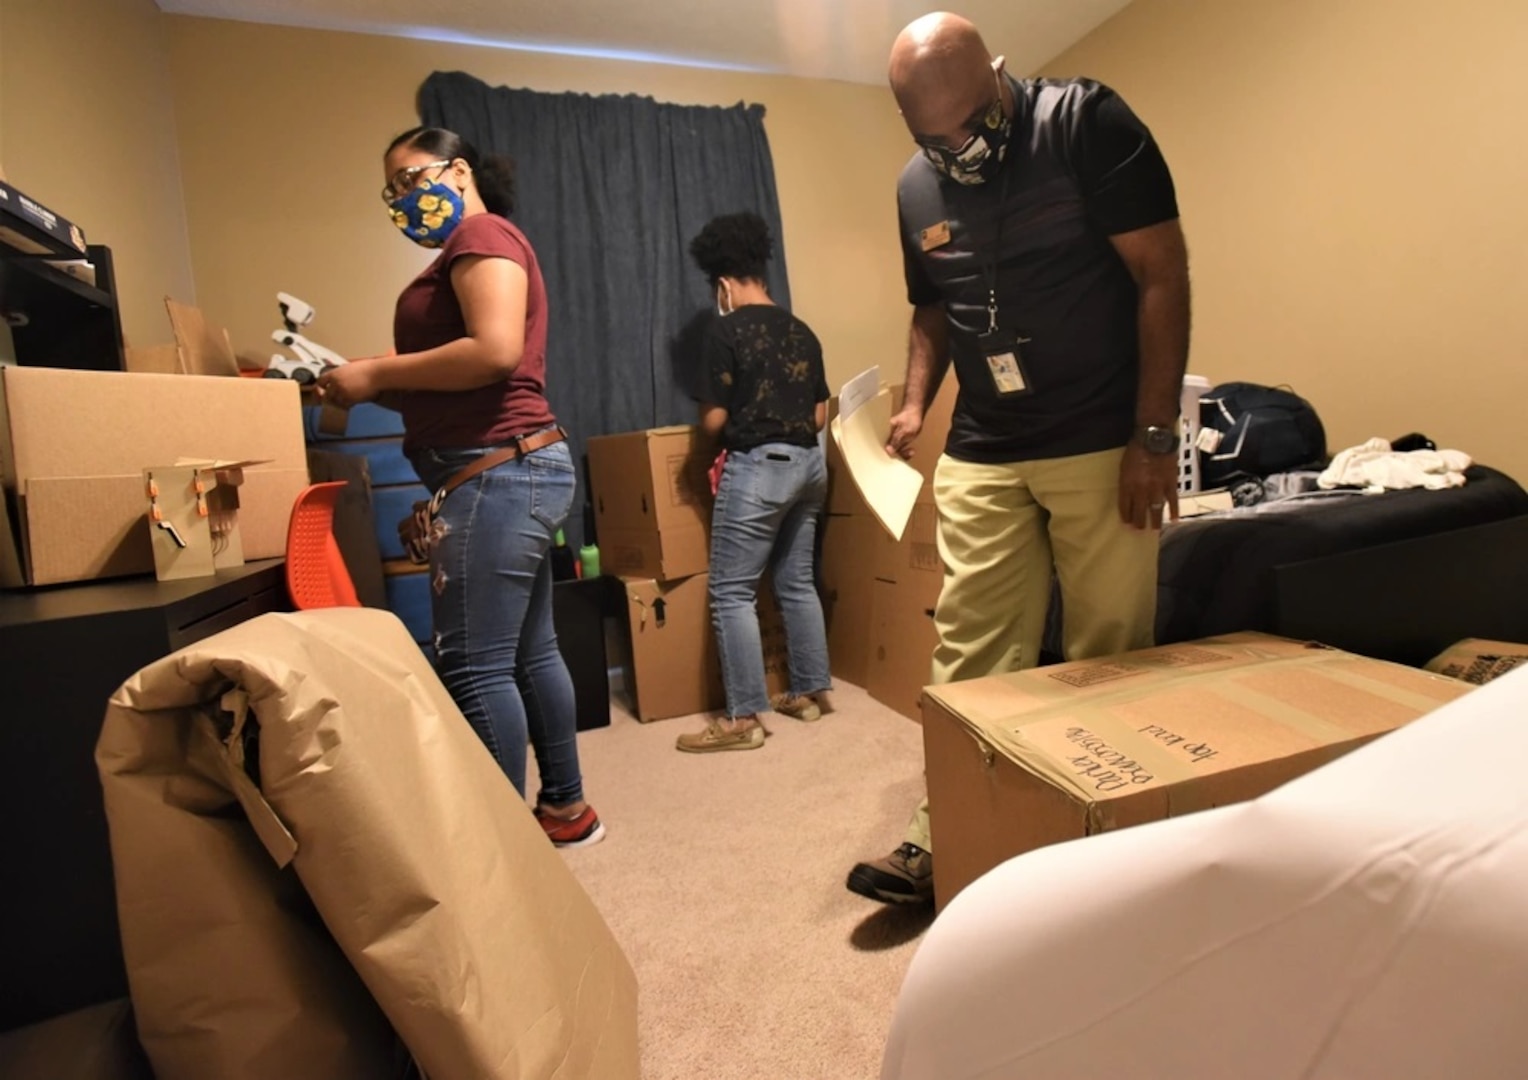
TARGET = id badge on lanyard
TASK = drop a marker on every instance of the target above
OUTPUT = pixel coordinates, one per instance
(1005, 360)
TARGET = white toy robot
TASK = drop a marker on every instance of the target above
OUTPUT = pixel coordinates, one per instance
(312, 359)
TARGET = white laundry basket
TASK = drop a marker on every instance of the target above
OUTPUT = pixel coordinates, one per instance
(1194, 387)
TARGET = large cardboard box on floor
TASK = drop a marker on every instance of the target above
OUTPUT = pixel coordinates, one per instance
(652, 502)
(1016, 762)
(74, 444)
(676, 670)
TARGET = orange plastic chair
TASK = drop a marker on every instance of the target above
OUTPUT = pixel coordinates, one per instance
(315, 570)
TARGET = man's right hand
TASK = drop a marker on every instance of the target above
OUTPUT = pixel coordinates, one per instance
(905, 427)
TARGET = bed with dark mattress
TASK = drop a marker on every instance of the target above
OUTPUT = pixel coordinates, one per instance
(1398, 575)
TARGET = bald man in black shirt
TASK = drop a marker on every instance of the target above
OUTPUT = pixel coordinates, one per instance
(1044, 259)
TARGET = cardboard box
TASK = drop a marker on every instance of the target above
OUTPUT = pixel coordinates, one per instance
(74, 444)
(1477, 660)
(676, 670)
(848, 540)
(652, 502)
(1016, 762)
(903, 640)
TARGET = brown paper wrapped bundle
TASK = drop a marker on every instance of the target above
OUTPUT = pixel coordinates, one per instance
(313, 850)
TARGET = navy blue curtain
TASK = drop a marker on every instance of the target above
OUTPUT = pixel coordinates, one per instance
(611, 190)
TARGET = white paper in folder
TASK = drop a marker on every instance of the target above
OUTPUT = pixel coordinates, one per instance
(888, 484)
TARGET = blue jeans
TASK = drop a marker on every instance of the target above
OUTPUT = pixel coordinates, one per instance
(767, 507)
(491, 599)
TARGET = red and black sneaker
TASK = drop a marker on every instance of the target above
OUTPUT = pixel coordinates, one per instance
(581, 831)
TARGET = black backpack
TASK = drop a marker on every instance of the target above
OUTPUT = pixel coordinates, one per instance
(1262, 430)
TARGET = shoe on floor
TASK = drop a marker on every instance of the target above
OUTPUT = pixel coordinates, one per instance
(906, 876)
(800, 706)
(744, 735)
(582, 831)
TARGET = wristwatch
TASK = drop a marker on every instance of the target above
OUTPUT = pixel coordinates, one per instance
(1158, 440)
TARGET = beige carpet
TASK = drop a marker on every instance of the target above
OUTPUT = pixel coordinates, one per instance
(723, 878)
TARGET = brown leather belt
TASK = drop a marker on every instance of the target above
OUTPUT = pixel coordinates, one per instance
(523, 445)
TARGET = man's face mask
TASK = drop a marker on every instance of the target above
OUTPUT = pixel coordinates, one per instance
(428, 214)
(978, 159)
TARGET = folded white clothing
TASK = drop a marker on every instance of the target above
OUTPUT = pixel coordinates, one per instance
(1375, 467)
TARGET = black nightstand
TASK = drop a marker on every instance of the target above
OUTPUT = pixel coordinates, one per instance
(579, 609)
(64, 651)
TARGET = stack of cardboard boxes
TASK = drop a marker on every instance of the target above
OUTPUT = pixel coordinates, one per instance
(652, 504)
(878, 592)
(652, 513)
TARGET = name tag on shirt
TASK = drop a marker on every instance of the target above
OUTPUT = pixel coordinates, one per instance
(935, 236)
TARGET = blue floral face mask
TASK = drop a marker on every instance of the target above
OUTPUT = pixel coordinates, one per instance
(428, 214)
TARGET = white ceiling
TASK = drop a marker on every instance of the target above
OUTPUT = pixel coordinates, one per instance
(821, 39)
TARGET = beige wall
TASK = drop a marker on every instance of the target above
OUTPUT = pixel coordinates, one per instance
(87, 127)
(1348, 175)
(282, 133)
(1352, 179)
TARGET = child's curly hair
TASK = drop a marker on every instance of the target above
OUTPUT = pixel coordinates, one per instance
(735, 246)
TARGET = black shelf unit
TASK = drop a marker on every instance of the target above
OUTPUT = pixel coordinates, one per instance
(58, 320)
(64, 650)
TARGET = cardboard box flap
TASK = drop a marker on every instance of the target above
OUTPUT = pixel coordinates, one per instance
(1109, 729)
(203, 350)
(227, 472)
(218, 465)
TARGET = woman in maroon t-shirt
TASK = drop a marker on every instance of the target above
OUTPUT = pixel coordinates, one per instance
(469, 376)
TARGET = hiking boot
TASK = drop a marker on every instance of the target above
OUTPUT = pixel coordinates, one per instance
(800, 706)
(740, 734)
(582, 831)
(906, 876)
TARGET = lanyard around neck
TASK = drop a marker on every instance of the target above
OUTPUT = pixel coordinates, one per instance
(989, 272)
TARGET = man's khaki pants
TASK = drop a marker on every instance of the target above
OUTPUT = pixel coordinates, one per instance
(1003, 529)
